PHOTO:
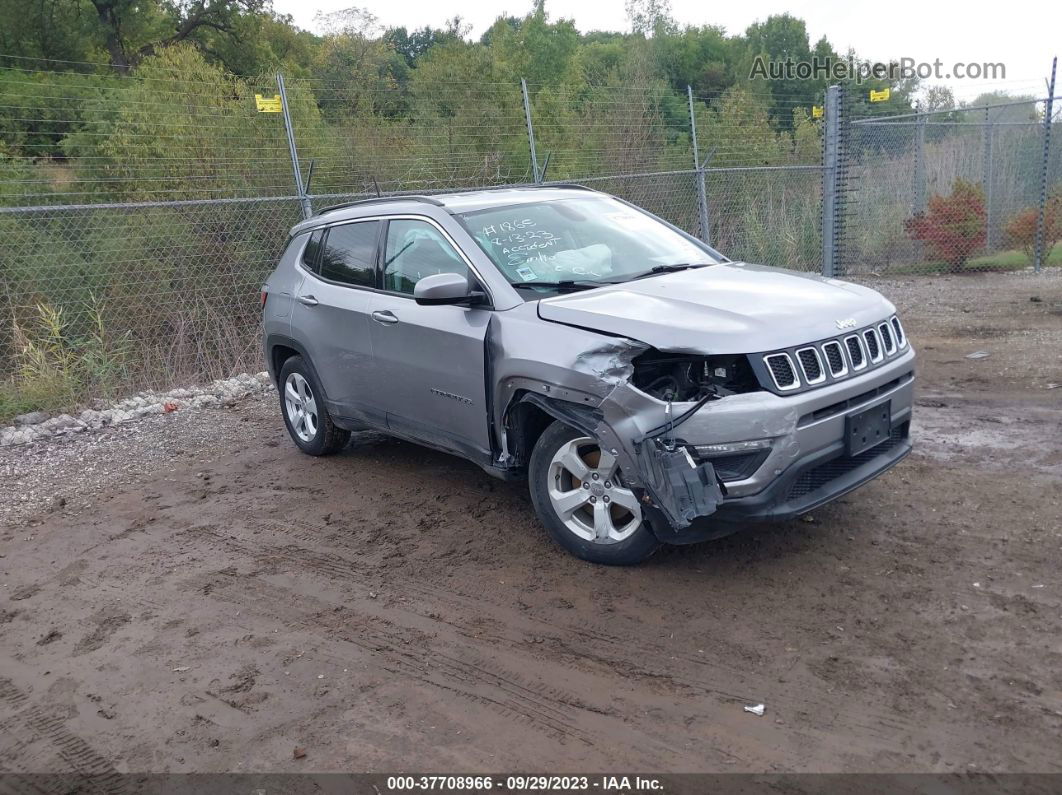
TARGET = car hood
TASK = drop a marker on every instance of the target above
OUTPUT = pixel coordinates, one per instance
(725, 309)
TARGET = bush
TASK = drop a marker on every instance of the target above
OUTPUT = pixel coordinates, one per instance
(953, 226)
(56, 367)
(1021, 228)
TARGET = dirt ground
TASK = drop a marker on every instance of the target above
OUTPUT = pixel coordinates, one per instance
(195, 595)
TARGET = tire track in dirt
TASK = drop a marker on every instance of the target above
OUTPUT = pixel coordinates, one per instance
(29, 723)
(539, 707)
(622, 658)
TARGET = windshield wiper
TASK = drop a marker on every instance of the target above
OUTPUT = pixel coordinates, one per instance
(564, 284)
(658, 269)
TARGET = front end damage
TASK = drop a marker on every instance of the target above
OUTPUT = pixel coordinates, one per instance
(585, 379)
(730, 391)
(697, 434)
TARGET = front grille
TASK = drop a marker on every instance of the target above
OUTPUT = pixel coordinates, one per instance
(810, 364)
(834, 358)
(782, 370)
(855, 352)
(811, 480)
(822, 362)
(873, 348)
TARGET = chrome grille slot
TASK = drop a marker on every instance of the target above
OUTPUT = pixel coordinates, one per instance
(886, 338)
(782, 371)
(811, 365)
(855, 352)
(901, 337)
(835, 358)
(873, 345)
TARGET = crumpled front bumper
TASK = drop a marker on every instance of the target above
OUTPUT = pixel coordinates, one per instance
(807, 465)
(584, 379)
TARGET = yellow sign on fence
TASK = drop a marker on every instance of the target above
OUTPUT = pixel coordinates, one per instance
(268, 104)
(880, 96)
(816, 111)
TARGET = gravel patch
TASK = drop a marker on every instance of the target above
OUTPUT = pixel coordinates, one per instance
(63, 468)
(37, 425)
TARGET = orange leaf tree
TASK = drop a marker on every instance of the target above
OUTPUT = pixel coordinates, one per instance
(953, 226)
(1021, 228)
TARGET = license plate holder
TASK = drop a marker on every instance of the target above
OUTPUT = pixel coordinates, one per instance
(868, 428)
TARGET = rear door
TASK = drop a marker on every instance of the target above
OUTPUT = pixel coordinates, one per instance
(429, 360)
(331, 316)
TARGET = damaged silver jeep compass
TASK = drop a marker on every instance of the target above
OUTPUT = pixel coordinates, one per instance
(650, 390)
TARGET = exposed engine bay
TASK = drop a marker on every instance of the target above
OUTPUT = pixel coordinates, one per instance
(681, 377)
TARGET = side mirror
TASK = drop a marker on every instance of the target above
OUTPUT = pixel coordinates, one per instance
(445, 288)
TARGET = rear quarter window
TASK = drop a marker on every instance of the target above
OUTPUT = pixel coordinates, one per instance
(311, 254)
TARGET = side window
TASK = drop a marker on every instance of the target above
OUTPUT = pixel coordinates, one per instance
(416, 249)
(349, 254)
(312, 250)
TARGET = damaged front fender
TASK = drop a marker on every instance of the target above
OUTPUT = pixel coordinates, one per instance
(583, 378)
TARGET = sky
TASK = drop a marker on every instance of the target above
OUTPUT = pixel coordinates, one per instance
(1021, 34)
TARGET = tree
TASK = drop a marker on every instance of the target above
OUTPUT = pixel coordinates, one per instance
(936, 99)
(953, 226)
(415, 45)
(1021, 228)
(54, 31)
(740, 131)
(700, 57)
(1020, 108)
(650, 17)
(134, 29)
(781, 39)
(356, 64)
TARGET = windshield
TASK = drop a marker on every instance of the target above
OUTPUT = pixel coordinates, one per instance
(580, 243)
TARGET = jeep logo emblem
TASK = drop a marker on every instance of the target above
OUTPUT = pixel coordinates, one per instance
(848, 322)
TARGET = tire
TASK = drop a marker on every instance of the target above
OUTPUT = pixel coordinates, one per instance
(600, 521)
(312, 430)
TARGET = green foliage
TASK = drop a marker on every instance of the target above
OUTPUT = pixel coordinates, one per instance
(702, 58)
(32, 121)
(740, 131)
(107, 298)
(56, 366)
(782, 38)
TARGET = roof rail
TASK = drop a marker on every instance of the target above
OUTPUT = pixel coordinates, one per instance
(417, 197)
(378, 199)
(569, 185)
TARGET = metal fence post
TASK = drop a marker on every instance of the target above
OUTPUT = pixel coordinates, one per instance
(918, 188)
(530, 133)
(1049, 109)
(986, 179)
(304, 200)
(702, 190)
(831, 176)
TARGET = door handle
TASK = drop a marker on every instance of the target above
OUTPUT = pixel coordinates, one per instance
(307, 300)
(385, 316)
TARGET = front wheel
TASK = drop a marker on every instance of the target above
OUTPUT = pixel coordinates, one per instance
(581, 497)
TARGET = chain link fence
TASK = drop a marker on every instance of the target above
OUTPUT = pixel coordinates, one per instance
(139, 215)
(954, 191)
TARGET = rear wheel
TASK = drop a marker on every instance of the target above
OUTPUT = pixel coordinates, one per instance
(581, 497)
(307, 420)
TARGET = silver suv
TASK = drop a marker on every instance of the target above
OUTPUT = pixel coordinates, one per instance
(650, 390)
